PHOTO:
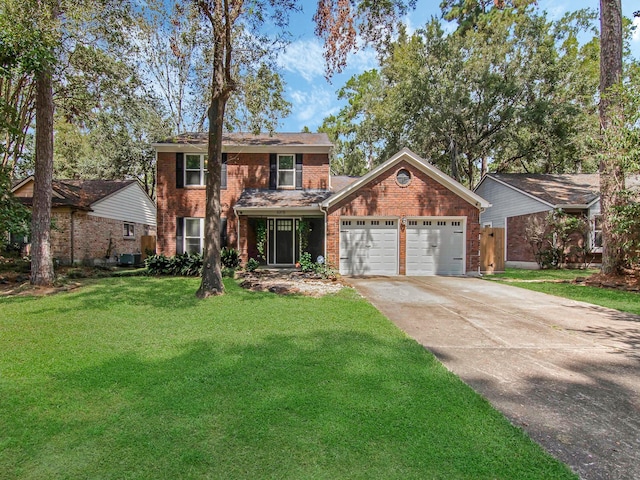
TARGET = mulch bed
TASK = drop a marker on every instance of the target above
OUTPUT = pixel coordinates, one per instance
(627, 283)
(287, 282)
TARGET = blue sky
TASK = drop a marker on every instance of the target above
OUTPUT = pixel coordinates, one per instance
(302, 65)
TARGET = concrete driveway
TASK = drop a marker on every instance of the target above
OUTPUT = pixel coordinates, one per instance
(566, 372)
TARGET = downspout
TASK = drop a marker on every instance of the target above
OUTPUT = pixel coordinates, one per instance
(325, 233)
(72, 235)
(235, 212)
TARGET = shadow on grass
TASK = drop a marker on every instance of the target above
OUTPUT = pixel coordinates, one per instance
(322, 405)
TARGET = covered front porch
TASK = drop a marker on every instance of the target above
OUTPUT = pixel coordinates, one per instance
(276, 228)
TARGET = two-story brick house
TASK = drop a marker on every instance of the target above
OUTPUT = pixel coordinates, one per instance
(279, 199)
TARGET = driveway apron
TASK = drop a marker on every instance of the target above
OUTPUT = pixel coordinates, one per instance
(566, 372)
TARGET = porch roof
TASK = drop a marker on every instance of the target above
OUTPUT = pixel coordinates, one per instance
(255, 198)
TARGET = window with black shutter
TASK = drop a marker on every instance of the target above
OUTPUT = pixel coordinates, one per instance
(179, 235)
(298, 171)
(223, 232)
(179, 170)
(273, 171)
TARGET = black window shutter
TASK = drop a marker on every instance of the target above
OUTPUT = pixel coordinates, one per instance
(179, 235)
(298, 171)
(273, 171)
(223, 172)
(223, 232)
(179, 170)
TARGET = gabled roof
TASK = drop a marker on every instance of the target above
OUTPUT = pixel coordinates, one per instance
(567, 190)
(248, 142)
(77, 193)
(423, 165)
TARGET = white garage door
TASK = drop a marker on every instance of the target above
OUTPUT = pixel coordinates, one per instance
(369, 247)
(435, 247)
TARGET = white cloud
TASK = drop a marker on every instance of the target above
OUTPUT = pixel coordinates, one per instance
(636, 33)
(311, 107)
(303, 58)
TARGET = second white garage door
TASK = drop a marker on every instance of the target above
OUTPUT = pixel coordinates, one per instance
(435, 247)
(369, 247)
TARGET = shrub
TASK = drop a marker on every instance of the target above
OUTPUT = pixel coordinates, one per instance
(185, 264)
(320, 268)
(158, 265)
(188, 265)
(306, 264)
(251, 265)
(229, 258)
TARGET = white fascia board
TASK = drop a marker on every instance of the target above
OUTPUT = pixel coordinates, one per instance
(277, 211)
(572, 206)
(421, 164)
(593, 202)
(22, 183)
(544, 202)
(29, 179)
(202, 148)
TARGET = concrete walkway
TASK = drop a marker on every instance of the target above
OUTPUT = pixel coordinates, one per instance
(566, 372)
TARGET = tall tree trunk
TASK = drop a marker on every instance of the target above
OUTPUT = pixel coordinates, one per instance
(41, 259)
(611, 173)
(211, 272)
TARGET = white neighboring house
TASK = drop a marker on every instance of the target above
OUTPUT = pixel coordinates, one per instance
(96, 220)
(516, 197)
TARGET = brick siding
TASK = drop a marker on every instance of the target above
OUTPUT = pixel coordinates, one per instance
(244, 170)
(91, 236)
(423, 197)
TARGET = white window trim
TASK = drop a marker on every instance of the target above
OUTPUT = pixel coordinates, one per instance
(592, 233)
(125, 230)
(292, 170)
(184, 233)
(202, 169)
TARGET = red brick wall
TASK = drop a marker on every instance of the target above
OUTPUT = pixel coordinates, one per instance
(91, 237)
(244, 170)
(518, 247)
(422, 197)
(520, 250)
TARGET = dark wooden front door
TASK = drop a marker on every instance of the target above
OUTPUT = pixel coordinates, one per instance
(284, 241)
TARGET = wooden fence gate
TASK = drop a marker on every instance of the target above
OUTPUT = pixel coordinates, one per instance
(147, 245)
(492, 250)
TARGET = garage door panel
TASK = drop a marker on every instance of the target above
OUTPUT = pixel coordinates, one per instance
(435, 247)
(368, 247)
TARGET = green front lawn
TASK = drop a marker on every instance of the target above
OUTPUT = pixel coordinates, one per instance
(545, 281)
(135, 378)
(541, 275)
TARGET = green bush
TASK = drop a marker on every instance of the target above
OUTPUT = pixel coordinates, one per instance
(184, 264)
(229, 258)
(307, 265)
(251, 265)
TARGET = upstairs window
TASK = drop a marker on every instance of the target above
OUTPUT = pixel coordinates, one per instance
(286, 171)
(195, 169)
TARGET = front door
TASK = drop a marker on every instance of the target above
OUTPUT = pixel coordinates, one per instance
(285, 237)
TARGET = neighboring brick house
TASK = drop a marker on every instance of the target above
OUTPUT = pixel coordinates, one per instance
(516, 198)
(95, 220)
(277, 196)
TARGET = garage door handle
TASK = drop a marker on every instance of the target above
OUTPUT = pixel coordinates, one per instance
(434, 246)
